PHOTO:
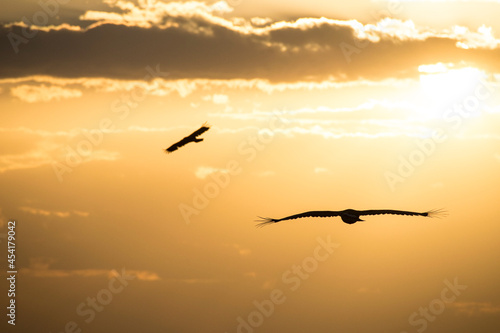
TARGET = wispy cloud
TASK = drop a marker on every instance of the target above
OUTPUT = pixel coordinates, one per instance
(27, 160)
(45, 153)
(203, 172)
(36, 159)
(184, 87)
(41, 267)
(494, 1)
(194, 281)
(217, 98)
(45, 212)
(156, 13)
(475, 308)
(43, 93)
(39, 132)
(320, 170)
(65, 273)
(378, 109)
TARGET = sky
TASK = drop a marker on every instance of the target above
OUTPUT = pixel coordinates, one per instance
(317, 105)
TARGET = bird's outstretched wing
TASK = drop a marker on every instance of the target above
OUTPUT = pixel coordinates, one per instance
(190, 138)
(205, 127)
(177, 145)
(320, 213)
(432, 213)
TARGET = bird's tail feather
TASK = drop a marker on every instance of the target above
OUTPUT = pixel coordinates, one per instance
(264, 221)
(441, 212)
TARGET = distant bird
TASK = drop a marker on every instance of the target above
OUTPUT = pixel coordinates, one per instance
(190, 138)
(350, 216)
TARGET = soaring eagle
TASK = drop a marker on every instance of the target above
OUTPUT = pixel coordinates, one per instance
(190, 138)
(350, 216)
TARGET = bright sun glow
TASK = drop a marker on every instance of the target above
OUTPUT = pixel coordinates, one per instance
(443, 85)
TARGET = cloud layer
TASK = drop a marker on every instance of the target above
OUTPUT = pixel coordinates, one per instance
(195, 40)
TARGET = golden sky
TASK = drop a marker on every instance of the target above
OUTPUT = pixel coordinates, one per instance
(317, 105)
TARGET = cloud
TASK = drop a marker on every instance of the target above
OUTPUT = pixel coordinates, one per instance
(27, 160)
(194, 33)
(45, 149)
(261, 21)
(41, 267)
(339, 133)
(33, 94)
(80, 213)
(320, 170)
(40, 157)
(185, 87)
(427, 1)
(204, 171)
(217, 98)
(143, 275)
(475, 308)
(194, 281)
(41, 133)
(61, 214)
(350, 124)
(64, 273)
(159, 14)
(156, 13)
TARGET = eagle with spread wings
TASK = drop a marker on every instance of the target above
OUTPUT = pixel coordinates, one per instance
(193, 137)
(350, 216)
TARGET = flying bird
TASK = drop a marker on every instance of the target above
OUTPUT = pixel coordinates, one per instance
(350, 216)
(190, 138)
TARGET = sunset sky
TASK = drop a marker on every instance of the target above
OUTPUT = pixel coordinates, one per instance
(313, 105)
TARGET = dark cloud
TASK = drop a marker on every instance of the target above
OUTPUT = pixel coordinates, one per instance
(288, 53)
(54, 12)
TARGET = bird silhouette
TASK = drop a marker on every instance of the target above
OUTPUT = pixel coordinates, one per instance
(190, 138)
(350, 216)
